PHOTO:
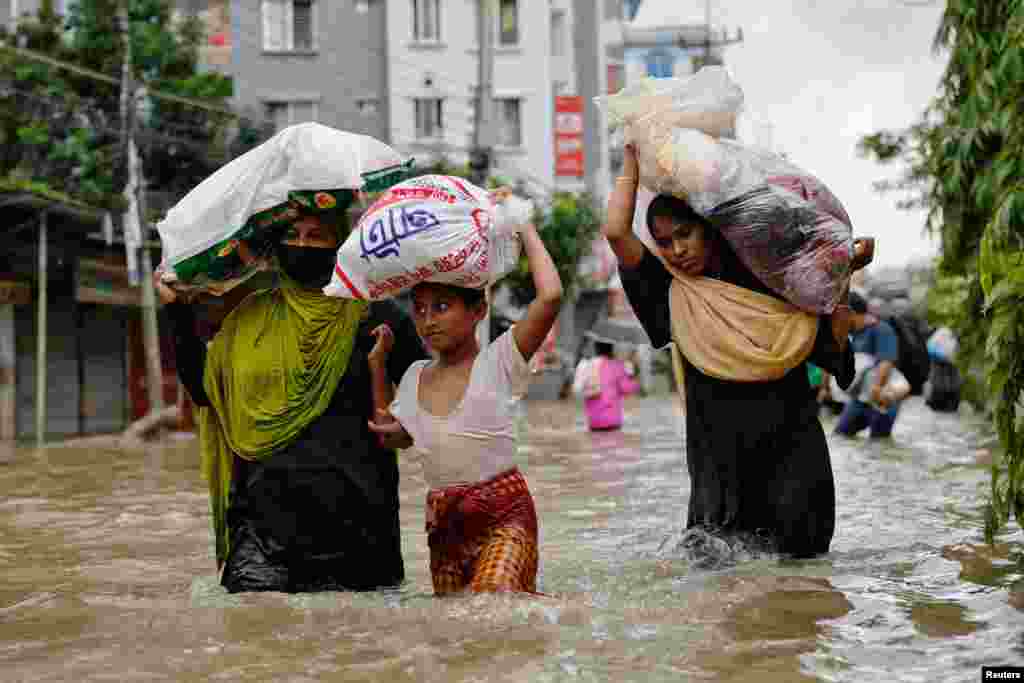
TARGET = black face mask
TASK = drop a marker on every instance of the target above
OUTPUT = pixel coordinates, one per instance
(309, 266)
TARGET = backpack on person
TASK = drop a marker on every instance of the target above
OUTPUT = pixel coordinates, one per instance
(914, 361)
(944, 387)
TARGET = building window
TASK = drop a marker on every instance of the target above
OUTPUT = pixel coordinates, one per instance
(508, 22)
(289, 25)
(429, 123)
(558, 34)
(286, 113)
(426, 20)
(367, 106)
(660, 64)
(302, 24)
(510, 132)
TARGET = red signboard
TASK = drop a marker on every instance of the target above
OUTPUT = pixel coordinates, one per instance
(569, 136)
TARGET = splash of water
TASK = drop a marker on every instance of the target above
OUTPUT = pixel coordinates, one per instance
(711, 549)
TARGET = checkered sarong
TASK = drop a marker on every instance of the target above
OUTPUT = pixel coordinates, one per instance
(483, 536)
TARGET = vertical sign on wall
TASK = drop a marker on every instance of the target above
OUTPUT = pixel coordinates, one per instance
(569, 136)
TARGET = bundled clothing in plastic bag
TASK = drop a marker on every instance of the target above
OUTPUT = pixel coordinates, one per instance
(784, 224)
(224, 230)
(432, 228)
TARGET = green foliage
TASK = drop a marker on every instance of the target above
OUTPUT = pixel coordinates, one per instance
(65, 130)
(965, 164)
(36, 133)
(567, 226)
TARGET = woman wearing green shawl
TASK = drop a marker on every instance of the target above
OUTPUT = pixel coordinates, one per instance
(303, 497)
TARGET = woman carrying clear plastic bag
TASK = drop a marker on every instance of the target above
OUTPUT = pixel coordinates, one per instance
(756, 452)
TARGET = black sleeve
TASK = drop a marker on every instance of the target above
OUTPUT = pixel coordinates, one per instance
(408, 346)
(827, 356)
(646, 289)
(189, 351)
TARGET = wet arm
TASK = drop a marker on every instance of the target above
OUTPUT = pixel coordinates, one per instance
(884, 369)
(390, 433)
(531, 331)
(618, 226)
(189, 351)
(827, 355)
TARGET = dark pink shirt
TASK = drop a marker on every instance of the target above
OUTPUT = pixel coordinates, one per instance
(605, 410)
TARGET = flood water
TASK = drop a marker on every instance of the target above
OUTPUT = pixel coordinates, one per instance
(108, 574)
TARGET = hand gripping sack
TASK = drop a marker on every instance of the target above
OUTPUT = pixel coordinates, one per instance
(223, 231)
(784, 224)
(431, 228)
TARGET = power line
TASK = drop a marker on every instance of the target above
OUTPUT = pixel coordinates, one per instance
(466, 98)
(97, 75)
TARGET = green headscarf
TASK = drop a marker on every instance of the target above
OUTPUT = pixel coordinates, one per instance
(270, 371)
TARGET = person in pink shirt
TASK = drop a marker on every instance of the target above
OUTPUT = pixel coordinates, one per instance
(604, 381)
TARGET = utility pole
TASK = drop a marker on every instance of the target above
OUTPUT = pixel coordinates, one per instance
(709, 42)
(135, 225)
(483, 121)
(591, 81)
(480, 156)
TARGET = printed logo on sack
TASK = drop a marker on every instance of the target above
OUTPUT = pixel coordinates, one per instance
(482, 221)
(384, 236)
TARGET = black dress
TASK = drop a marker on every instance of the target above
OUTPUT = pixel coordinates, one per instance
(321, 514)
(756, 453)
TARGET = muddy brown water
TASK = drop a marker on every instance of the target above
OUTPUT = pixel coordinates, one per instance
(108, 574)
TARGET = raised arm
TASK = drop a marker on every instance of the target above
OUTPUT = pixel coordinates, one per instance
(390, 433)
(189, 349)
(530, 332)
(618, 226)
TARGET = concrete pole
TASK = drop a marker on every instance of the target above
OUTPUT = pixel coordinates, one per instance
(150, 328)
(8, 377)
(591, 82)
(483, 121)
(483, 132)
(41, 333)
(150, 325)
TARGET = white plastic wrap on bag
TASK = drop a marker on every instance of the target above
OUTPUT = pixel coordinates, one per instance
(201, 233)
(431, 228)
(511, 212)
(708, 101)
(784, 224)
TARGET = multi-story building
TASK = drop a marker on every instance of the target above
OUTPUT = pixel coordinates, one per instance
(407, 72)
(313, 60)
(433, 58)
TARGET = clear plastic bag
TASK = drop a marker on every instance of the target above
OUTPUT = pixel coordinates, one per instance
(784, 224)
